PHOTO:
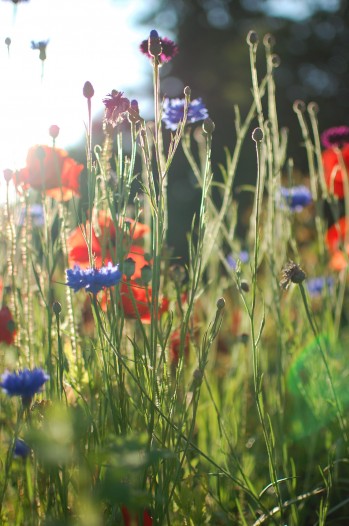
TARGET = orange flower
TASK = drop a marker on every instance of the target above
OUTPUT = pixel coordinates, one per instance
(332, 170)
(52, 171)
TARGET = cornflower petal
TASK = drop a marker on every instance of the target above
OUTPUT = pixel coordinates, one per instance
(173, 112)
(296, 197)
(25, 383)
(93, 279)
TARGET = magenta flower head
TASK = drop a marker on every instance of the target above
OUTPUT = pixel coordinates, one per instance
(173, 112)
(25, 383)
(168, 48)
(337, 136)
(116, 107)
(41, 46)
(93, 279)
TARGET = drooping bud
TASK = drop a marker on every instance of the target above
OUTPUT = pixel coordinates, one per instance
(208, 126)
(8, 174)
(299, 106)
(252, 38)
(258, 135)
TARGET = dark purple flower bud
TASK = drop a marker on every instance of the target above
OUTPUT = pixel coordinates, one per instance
(88, 90)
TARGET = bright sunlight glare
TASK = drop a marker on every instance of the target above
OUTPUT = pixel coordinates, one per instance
(95, 40)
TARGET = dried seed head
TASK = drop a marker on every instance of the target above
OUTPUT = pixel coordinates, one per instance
(8, 41)
(257, 135)
(252, 38)
(291, 273)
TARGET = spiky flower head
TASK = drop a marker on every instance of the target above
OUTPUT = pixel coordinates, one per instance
(25, 383)
(173, 112)
(291, 273)
(116, 107)
(337, 136)
(93, 279)
(164, 48)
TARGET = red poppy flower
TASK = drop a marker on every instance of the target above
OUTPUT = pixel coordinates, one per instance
(130, 519)
(175, 346)
(335, 235)
(136, 301)
(52, 171)
(7, 326)
(77, 248)
(332, 170)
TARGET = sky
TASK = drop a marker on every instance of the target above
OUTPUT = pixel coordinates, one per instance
(95, 40)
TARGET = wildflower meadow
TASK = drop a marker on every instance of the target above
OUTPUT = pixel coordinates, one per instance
(142, 389)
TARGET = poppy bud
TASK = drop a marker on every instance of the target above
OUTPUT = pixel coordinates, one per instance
(57, 307)
(129, 267)
(8, 174)
(8, 41)
(53, 131)
(88, 90)
(146, 274)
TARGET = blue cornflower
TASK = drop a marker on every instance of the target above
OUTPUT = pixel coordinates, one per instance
(243, 256)
(315, 286)
(296, 197)
(93, 279)
(41, 46)
(24, 383)
(173, 112)
(21, 449)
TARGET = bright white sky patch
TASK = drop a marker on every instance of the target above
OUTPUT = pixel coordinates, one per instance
(95, 40)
